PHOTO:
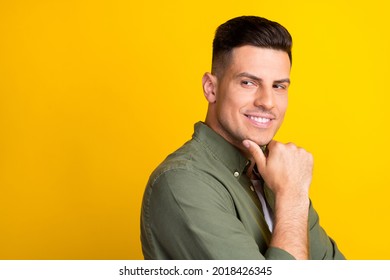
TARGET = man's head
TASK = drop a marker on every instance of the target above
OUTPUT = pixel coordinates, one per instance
(247, 31)
(247, 89)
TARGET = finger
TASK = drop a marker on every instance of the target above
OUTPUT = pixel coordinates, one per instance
(271, 144)
(256, 152)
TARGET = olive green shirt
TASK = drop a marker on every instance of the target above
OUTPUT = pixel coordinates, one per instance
(200, 204)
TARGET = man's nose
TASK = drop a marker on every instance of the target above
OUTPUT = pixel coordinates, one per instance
(265, 98)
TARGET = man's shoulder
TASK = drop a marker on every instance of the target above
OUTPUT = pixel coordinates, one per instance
(189, 158)
(189, 174)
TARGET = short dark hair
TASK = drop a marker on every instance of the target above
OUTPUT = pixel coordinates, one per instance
(248, 30)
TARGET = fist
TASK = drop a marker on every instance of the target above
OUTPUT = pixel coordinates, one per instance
(287, 169)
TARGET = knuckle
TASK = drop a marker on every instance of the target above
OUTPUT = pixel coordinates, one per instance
(292, 146)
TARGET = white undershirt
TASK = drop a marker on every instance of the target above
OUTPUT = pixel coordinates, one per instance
(266, 209)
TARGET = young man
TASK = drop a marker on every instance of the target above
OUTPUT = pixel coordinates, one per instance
(232, 192)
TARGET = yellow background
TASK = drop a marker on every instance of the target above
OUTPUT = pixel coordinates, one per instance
(94, 94)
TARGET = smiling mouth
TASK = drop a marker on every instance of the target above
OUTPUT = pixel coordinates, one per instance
(259, 119)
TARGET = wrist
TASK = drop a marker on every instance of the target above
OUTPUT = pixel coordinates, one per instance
(292, 195)
(290, 204)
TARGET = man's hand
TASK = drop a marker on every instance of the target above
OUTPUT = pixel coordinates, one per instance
(287, 170)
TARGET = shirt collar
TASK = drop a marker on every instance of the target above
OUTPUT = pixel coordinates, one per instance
(229, 155)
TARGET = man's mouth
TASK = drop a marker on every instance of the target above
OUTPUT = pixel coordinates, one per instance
(259, 119)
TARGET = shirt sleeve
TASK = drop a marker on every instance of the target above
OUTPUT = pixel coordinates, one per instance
(322, 247)
(188, 217)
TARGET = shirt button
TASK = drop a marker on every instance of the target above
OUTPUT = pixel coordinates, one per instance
(252, 188)
(236, 174)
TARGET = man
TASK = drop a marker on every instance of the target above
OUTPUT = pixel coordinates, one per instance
(232, 192)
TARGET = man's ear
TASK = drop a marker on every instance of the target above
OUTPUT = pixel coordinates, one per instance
(209, 83)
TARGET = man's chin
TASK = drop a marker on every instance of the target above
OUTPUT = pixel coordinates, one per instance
(260, 142)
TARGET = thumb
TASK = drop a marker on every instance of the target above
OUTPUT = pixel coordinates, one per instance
(257, 153)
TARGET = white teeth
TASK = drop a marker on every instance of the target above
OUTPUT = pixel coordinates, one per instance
(258, 119)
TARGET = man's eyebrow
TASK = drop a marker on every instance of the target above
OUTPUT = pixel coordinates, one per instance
(287, 80)
(248, 75)
(253, 77)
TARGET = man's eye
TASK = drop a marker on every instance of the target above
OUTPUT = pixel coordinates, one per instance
(280, 86)
(247, 83)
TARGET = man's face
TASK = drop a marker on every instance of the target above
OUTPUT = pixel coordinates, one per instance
(250, 96)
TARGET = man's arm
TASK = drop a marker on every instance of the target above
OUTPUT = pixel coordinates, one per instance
(287, 170)
(322, 247)
(188, 216)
